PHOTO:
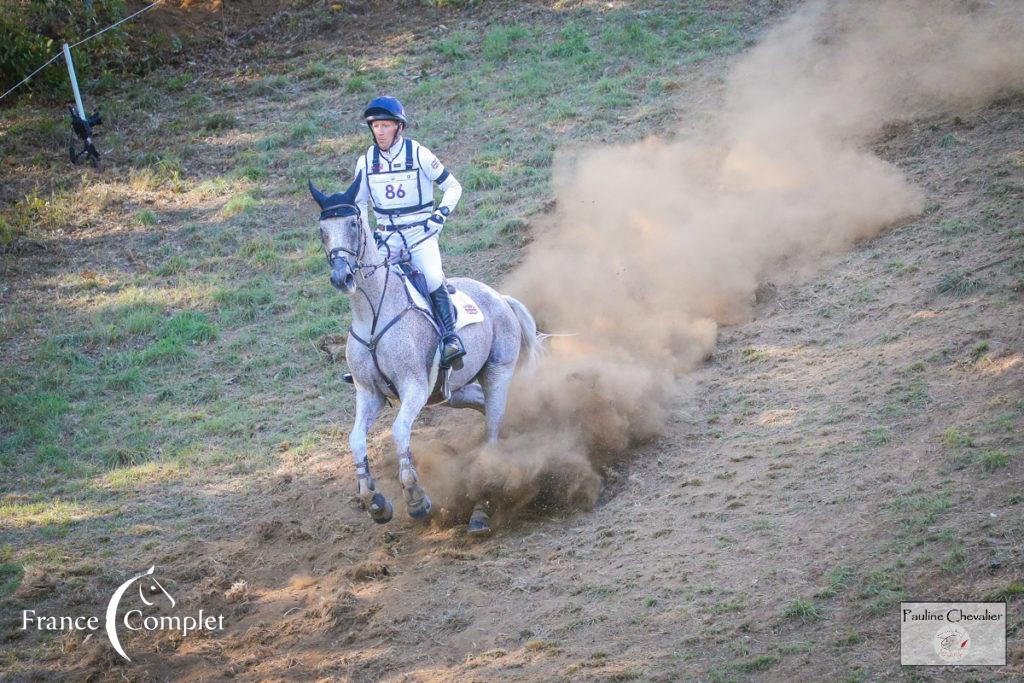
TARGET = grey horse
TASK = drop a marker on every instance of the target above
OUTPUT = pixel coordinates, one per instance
(392, 346)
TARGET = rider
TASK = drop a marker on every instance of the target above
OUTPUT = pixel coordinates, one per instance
(399, 174)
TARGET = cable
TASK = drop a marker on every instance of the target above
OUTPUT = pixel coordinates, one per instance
(83, 40)
(29, 77)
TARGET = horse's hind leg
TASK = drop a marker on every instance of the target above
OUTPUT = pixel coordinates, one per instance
(495, 381)
(469, 396)
(413, 399)
(368, 405)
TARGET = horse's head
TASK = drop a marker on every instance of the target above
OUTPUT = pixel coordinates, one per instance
(342, 234)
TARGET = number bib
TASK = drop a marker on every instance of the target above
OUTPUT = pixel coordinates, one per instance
(395, 190)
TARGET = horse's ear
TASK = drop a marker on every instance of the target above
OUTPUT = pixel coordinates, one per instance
(319, 196)
(353, 189)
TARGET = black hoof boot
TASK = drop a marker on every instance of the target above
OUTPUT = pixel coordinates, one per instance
(479, 522)
(381, 510)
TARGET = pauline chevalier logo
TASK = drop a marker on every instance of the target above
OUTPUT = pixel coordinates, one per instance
(952, 643)
(131, 620)
(953, 633)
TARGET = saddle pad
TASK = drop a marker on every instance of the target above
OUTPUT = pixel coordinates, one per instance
(467, 312)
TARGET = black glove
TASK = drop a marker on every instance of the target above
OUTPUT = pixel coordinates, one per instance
(435, 222)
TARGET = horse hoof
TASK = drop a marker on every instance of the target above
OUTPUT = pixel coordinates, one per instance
(478, 528)
(420, 510)
(381, 509)
(479, 524)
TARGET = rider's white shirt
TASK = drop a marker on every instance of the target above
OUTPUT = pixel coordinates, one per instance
(400, 194)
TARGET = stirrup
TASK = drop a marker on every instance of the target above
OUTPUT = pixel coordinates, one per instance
(452, 360)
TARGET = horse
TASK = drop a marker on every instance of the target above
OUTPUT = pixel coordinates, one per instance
(392, 351)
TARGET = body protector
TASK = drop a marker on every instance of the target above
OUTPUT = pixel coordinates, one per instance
(399, 184)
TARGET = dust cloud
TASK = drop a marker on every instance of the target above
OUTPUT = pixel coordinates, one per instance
(655, 244)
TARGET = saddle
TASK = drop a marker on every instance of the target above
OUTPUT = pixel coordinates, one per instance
(465, 310)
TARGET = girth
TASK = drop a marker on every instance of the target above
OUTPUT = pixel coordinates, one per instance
(371, 344)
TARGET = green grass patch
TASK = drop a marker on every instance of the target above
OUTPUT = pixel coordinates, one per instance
(479, 178)
(922, 510)
(958, 283)
(175, 265)
(130, 380)
(837, 580)
(245, 301)
(219, 121)
(303, 130)
(573, 44)
(146, 217)
(879, 436)
(955, 438)
(502, 42)
(29, 419)
(992, 460)
(454, 46)
(883, 588)
(239, 204)
(802, 609)
(632, 39)
(10, 578)
(167, 350)
(759, 663)
(190, 327)
(1013, 591)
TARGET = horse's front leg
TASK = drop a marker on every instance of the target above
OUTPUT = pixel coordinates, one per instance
(414, 397)
(368, 405)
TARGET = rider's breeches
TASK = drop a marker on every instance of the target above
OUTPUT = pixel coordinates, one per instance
(426, 256)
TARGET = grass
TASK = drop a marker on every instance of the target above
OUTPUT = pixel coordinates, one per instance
(502, 42)
(838, 580)
(958, 283)
(10, 578)
(802, 609)
(756, 664)
(219, 121)
(992, 460)
(882, 589)
(146, 217)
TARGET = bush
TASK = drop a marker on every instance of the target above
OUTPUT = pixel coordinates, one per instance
(33, 32)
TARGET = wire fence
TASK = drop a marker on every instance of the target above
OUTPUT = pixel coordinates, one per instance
(83, 40)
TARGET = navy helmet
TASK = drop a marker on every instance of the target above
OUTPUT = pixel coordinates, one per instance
(385, 109)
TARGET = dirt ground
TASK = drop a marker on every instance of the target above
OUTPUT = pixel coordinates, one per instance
(798, 466)
(768, 478)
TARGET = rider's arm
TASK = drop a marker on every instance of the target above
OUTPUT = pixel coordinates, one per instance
(363, 195)
(445, 180)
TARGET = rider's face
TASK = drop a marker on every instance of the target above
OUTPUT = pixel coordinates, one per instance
(384, 132)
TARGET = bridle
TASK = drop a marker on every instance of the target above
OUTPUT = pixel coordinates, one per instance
(367, 270)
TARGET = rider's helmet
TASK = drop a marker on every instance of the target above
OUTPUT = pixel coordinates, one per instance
(385, 109)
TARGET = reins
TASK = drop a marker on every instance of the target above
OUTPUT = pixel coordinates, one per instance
(386, 263)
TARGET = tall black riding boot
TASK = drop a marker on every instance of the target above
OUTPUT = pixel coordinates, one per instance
(451, 346)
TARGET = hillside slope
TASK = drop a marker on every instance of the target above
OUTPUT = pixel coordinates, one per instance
(856, 443)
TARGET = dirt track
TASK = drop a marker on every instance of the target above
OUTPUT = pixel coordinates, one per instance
(770, 477)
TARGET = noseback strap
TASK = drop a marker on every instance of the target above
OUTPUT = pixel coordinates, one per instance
(339, 211)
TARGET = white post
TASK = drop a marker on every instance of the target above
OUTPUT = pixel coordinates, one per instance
(74, 81)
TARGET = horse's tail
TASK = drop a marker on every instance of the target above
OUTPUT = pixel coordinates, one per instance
(531, 349)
